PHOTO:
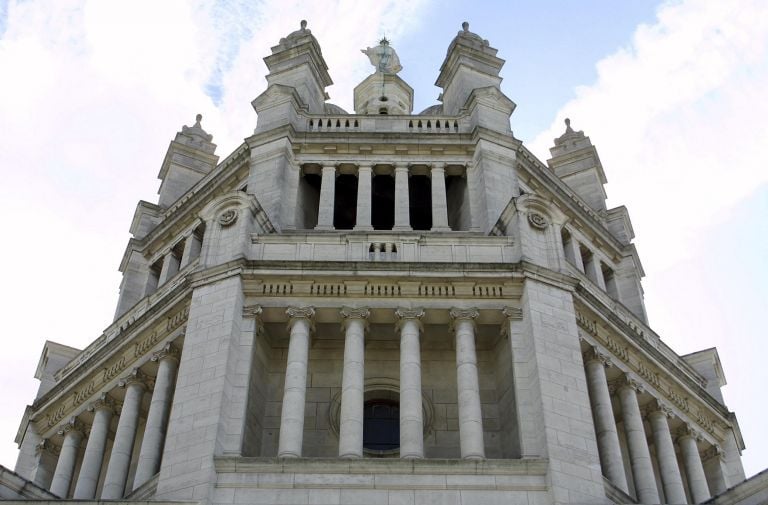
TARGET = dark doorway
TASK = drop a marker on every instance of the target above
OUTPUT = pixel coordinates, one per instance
(345, 206)
(383, 202)
(420, 197)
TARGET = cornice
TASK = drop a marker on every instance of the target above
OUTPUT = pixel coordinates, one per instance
(58, 402)
(575, 206)
(649, 363)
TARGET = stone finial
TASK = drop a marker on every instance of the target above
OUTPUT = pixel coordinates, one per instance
(303, 24)
(196, 132)
(473, 37)
(569, 134)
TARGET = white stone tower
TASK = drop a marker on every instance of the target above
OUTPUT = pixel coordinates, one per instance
(380, 307)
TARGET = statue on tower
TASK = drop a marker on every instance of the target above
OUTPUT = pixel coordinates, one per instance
(383, 57)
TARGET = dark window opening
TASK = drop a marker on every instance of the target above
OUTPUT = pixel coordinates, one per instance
(345, 206)
(381, 425)
(383, 111)
(309, 201)
(420, 198)
(382, 202)
(457, 200)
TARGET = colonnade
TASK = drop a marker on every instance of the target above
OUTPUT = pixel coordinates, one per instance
(401, 171)
(104, 409)
(664, 440)
(351, 418)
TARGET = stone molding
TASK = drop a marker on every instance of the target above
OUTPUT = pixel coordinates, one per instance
(46, 445)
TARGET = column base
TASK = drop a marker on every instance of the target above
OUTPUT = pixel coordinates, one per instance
(362, 228)
(441, 228)
(401, 228)
(324, 228)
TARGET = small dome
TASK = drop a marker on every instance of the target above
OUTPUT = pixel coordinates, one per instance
(432, 110)
(331, 108)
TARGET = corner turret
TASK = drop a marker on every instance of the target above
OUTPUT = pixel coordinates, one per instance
(470, 80)
(189, 158)
(575, 161)
(298, 76)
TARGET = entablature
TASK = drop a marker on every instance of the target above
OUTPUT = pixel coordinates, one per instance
(664, 374)
(101, 366)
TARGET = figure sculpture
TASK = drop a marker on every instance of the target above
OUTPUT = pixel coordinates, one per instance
(383, 57)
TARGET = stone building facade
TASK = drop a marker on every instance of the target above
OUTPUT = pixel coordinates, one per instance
(383, 308)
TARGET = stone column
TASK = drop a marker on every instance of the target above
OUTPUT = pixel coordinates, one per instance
(157, 419)
(192, 246)
(170, 267)
(125, 436)
(65, 468)
(594, 272)
(364, 197)
(605, 425)
(715, 469)
(439, 198)
(42, 473)
(467, 384)
(639, 455)
(674, 492)
(88, 480)
(352, 383)
(694, 470)
(327, 198)
(295, 390)
(411, 420)
(402, 199)
(572, 252)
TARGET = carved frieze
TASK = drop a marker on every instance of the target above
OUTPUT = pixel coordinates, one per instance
(94, 382)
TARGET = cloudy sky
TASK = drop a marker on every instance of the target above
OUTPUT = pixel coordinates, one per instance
(673, 94)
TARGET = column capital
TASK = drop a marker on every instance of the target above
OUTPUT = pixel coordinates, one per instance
(437, 165)
(686, 430)
(298, 313)
(103, 402)
(364, 165)
(625, 381)
(714, 451)
(349, 313)
(461, 314)
(401, 165)
(594, 354)
(252, 311)
(73, 425)
(405, 314)
(657, 407)
(169, 351)
(46, 445)
(513, 313)
(135, 377)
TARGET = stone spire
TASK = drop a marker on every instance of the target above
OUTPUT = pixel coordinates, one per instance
(189, 158)
(296, 68)
(575, 161)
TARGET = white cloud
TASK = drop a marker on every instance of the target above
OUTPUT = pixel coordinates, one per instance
(90, 95)
(679, 116)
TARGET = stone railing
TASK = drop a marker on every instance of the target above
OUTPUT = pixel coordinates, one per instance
(383, 123)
